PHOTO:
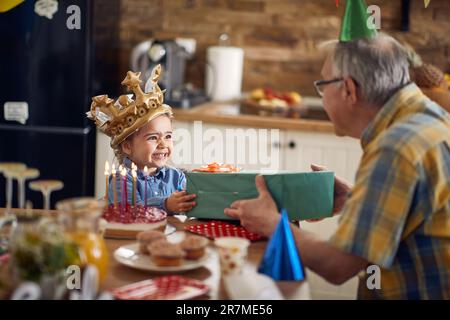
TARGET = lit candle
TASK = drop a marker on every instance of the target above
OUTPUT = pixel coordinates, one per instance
(146, 182)
(133, 173)
(121, 185)
(106, 180)
(113, 172)
(124, 189)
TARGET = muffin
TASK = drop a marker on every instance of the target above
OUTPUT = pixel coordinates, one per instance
(145, 238)
(166, 254)
(194, 246)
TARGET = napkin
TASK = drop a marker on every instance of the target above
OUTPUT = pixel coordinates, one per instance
(250, 285)
(162, 288)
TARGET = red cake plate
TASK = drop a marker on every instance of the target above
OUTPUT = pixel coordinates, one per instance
(127, 223)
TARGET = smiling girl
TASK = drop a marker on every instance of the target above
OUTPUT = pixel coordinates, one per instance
(141, 133)
(151, 146)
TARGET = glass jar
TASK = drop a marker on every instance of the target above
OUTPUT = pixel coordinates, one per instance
(79, 218)
(40, 253)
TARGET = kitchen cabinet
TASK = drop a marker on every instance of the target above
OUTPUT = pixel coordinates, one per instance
(198, 143)
(339, 154)
(293, 150)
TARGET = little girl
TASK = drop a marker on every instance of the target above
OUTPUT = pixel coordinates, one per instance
(141, 133)
(151, 146)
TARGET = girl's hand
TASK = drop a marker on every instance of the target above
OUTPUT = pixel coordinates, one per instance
(180, 201)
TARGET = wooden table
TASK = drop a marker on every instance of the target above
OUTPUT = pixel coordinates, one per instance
(119, 275)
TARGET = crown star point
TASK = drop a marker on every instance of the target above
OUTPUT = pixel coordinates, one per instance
(132, 79)
(102, 100)
(99, 99)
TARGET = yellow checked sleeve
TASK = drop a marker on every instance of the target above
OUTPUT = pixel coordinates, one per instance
(374, 216)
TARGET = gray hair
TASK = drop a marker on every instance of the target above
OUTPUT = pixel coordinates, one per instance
(378, 65)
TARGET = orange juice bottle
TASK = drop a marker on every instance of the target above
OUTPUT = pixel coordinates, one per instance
(94, 250)
(79, 217)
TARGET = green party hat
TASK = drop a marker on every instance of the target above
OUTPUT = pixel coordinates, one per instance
(354, 24)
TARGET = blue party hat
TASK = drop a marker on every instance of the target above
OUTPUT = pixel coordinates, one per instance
(281, 261)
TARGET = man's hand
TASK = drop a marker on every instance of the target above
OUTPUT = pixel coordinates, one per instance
(258, 215)
(179, 201)
(341, 188)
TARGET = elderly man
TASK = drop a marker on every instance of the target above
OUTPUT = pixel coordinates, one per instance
(397, 215)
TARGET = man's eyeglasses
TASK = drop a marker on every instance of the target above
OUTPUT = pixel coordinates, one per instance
(320, 83)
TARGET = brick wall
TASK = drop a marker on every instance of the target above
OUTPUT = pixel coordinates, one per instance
(279, 36)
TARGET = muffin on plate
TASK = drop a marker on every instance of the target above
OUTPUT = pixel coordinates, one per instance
(146, 238)
(194, 246)
(166, 254)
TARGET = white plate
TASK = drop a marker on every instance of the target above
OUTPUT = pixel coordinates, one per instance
(130, 256)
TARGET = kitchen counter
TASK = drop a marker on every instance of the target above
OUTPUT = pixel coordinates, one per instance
(229, 113)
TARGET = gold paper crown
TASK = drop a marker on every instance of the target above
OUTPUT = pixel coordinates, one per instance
(119, 119)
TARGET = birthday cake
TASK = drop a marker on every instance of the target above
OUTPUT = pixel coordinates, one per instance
(128, 222)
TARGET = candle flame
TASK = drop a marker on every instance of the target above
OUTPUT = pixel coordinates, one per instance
(133, 173)
(106, 168)
(123, 172)
(113, 170)
(120, 168)
(146, 170)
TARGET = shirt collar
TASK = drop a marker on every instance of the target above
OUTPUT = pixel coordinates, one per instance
(127, 162)
(160, 172)
(394, 108)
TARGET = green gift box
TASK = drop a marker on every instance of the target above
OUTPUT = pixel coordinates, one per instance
(305, 195)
